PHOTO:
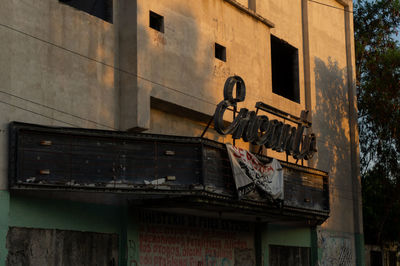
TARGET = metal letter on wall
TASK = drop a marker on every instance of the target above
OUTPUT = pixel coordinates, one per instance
(258, 129)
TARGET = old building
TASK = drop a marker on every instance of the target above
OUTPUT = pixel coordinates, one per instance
(103, 108)
(385, 255)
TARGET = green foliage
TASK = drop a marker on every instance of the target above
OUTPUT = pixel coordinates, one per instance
(381, 212)
(376, 23)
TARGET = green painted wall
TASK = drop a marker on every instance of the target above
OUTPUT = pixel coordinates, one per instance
(284, 236)
(129, 237)
(67, 215)
(360, 249)
(133, 240)
(31, 212)
(4, 209)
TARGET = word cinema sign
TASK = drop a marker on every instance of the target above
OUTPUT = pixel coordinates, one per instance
(259, 129)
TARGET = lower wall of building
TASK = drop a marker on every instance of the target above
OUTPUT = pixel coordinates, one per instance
(42, 231)
(19, 213)
(140, 237)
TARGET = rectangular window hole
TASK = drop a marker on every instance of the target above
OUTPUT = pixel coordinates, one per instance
(102, 9)
(220, 52)
(289, 255)
(376, 258)
(285, 69)
(156, 21)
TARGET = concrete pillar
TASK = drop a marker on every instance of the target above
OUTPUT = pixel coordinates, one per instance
(354, 139)
(130, 99)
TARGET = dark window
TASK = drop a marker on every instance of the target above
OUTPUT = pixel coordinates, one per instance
(376, 258)
(285, 69)
(392, 258)
(99, 8)
(288, 256)
(156, 21)
(220, 52)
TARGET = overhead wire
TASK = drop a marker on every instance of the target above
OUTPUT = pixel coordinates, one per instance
(97, 61)
(40, 114)
(107, 65)
(104, 63)
(55, 109)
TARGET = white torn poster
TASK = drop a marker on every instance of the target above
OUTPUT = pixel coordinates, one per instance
(249, 173)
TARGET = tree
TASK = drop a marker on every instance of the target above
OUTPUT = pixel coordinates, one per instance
(376, 23)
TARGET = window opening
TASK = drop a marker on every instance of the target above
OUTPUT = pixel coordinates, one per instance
(220, 52)
(156, 21)
(289, 255)
(102, 9)
(285, 69)
(392, 258)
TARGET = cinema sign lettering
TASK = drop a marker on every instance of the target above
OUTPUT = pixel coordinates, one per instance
(259, 129)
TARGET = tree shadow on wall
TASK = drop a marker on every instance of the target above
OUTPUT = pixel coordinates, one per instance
(331, 123)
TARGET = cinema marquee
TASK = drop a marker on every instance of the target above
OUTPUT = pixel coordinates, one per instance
(188, 173)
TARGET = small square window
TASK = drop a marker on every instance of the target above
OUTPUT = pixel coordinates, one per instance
(156, 21)
(220, 52)
(285, 69)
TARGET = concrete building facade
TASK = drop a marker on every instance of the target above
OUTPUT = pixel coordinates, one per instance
(159, 67)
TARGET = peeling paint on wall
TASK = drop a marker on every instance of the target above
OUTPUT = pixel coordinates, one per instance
(38, 247)
(335, 250)
(171, 239)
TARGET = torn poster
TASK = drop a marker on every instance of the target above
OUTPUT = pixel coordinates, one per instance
(250, 174)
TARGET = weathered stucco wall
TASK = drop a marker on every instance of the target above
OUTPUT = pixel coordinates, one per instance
(60, 247)
(172, 239)
(50, 71)
(55, 69)
(333, 113)
(330, 108)
(179, 64)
